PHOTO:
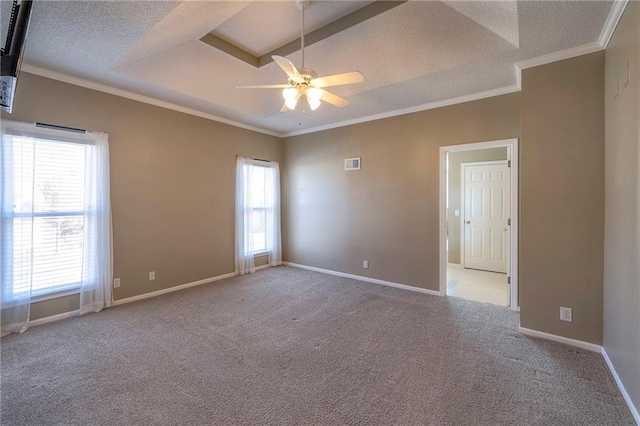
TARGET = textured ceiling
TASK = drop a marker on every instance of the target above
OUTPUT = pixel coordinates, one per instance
(417, 53)
(273, 24)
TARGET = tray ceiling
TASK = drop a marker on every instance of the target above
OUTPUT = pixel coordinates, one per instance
(273, 24)
(415, 53)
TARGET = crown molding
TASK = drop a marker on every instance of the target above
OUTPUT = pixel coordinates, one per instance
(603, 41)
(612, 21)
(65, 78)
(559, 56)
(432, 105)
(340, 24)
(518, 72)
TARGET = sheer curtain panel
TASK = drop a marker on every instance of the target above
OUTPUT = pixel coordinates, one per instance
(257, 213)
(56, 220)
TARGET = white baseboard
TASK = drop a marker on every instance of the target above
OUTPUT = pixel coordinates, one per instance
(52, 318)
(366, 279)
(623, 391)
(75, 313)
(454, 265)
(567, 341)
(172, 289)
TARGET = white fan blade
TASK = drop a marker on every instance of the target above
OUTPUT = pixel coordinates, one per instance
(266, 86)
(332, 99)
(288, 67)
(338, 79)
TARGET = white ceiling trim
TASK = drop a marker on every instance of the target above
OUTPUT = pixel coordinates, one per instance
(605, 36)
(612, 22)
(479, 57)
(54, 75)
(559, 56)
(410, 110)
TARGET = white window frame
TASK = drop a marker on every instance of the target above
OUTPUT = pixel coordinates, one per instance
(54, 291)
(267, 210)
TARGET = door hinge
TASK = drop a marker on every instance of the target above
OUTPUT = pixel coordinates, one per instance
(509, 221)
(508, 280)
(509, 163)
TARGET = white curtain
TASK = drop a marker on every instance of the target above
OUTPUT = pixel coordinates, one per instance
(274, 234)
(56, 220)
(257, 213)
(97, 269)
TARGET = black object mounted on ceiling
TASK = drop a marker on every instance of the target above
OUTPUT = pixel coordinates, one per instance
(11, 53)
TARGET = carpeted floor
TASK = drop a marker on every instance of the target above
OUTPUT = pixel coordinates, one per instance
(287, 346)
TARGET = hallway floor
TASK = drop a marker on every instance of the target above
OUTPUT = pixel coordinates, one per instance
(481, 286)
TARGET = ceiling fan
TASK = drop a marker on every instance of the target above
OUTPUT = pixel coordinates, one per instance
(305, 82)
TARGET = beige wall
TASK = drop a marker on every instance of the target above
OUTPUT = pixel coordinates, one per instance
(562, 197)
(455, 187)
(622, 203)
(172, 183)
(172, 189)
(386, 213)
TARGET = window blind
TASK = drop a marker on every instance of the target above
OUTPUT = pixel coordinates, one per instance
(261, 204)
(47, 219)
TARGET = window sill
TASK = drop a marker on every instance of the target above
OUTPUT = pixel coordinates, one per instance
(55, 295)
(258, 254)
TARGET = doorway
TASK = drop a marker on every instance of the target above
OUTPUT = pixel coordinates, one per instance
(478, 222)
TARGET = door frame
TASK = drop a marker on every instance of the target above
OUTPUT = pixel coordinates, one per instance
(512, 155)
(462, 201)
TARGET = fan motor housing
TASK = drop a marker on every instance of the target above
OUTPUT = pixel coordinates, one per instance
(307, 74)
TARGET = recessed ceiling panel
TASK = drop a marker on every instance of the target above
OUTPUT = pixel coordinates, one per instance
(501, 17)
(414, 39)
(409, 41)
(265, 25)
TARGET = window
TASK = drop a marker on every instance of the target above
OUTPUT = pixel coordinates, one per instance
(56, 219)
(261, 206)
(47, 219)
(257, 213)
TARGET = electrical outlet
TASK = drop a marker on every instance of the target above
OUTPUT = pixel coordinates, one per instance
(152, 275)
(566, 314)
(116, 282)
(365, 264)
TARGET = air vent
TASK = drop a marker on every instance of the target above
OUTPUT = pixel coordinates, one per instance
(352, 164)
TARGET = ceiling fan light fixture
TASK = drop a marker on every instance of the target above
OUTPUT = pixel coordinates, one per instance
(291, 104)
(313, 97)
(305, 81)
(313, 104)
(290, 96)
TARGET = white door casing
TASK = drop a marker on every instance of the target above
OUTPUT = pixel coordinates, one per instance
(513, 157)
(486, 208)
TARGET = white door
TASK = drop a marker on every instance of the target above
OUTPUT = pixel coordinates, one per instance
(487, 205)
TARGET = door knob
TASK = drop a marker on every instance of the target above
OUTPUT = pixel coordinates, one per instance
(468, 222)
(505, 229)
